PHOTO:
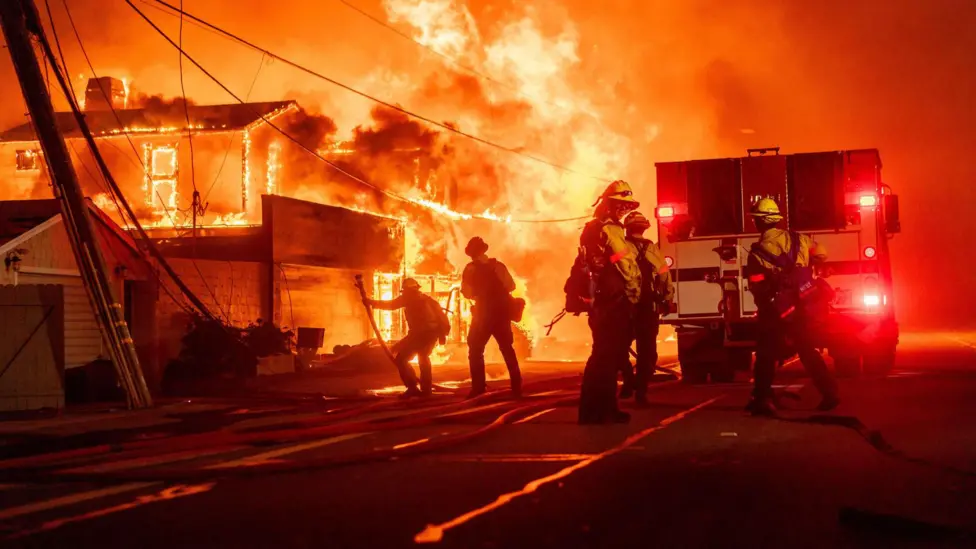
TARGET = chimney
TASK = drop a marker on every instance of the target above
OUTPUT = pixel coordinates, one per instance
(105, 93)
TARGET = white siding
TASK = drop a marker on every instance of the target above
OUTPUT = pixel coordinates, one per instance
(82, 336)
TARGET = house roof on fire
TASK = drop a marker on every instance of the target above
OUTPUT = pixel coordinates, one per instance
(158, 120)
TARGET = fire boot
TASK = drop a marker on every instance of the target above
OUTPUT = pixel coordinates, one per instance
(761, 407)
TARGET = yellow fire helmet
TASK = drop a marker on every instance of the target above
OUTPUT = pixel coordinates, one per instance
(619, 190)
(767, 209)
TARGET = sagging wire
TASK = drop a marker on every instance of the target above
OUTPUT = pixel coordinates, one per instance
(298, 142)
(109, 178)
(387, 104)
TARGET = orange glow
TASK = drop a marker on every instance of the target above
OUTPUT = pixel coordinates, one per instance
(274, 167)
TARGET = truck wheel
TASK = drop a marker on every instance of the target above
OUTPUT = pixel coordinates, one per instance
(847, 366)
(879, 360)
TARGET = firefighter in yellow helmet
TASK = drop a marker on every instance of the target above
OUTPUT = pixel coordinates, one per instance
(616, 291)
(656, 294)
(781, 279)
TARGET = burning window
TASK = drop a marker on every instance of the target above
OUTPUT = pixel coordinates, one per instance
(162, 174)
(164, 162)
(28, 160)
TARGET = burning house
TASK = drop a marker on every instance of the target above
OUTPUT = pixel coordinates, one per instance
(245, 249)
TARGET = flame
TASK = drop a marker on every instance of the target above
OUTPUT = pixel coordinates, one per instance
(274, 167)
(246, 170)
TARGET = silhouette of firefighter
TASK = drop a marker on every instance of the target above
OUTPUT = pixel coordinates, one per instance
(426, 325)
(488, 283)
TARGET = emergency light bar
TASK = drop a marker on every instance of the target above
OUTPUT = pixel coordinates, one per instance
(871, 300)
(664, 212)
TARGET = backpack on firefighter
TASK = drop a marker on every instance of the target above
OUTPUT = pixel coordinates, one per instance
(579, 287)
(794, 285)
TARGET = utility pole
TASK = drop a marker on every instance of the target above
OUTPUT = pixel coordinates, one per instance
(19, 20)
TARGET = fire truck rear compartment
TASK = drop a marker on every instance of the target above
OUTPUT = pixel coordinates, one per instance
(836, 197)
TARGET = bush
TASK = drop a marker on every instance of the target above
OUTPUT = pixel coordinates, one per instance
(212, 351)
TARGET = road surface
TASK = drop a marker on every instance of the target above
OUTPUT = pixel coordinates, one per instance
(893, 466)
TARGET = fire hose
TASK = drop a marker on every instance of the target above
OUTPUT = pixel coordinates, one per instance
(317, 427)
(47, 476)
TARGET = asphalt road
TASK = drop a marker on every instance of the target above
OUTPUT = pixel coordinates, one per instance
(894, 466)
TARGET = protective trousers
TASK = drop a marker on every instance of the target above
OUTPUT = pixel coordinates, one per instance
(647, 324)
(771, 341)
(483, 328)
(421, 345)
(611, 328)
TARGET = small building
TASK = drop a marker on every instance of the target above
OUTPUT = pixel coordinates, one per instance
(48, 325)
(296, 269)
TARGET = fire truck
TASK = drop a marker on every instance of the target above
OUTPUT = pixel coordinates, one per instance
(705, 232)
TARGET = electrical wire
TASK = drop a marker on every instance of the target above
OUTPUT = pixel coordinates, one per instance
(298, 142)
(103, 167)
(450, 60)
(135, 150)
(387, 104)
(115, 113)
(189, 127)
(230, 140)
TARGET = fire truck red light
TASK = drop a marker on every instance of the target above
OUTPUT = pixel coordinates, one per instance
(868, 201)
(871, 301)
(669, 261)
(665, 212)
(870, 252)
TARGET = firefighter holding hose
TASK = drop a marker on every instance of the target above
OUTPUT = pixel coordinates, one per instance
(656, 294)
(787, 296)
(426, 325)
(613, 264)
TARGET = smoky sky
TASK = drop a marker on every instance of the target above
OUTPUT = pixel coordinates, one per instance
(679, 80)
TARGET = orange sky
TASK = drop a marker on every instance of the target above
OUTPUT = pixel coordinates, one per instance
(656, 81)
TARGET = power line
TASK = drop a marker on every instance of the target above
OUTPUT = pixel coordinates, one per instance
(293, 139)
(230, 140)
(115, 114)
(398, 108)
(103, 167)
(189, 130)
(135, 150)
(450, 60)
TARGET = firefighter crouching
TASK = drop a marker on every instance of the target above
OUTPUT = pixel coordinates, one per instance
(656, 294)
(488, 282)
(611, 261)
(787, 297)
(426, 325)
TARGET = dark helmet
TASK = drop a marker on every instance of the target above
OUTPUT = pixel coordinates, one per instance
(636, 222)
(410, 284)
(476, 246)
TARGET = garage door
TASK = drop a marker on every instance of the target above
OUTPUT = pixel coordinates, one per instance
(82, 338)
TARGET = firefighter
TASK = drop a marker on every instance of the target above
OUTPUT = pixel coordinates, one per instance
(488, 283)
(612, 261)
(778, 283)
(427, 324)
(656, 294)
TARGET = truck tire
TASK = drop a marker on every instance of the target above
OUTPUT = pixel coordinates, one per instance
(698, 350)
(879, 359)
(847, 366)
